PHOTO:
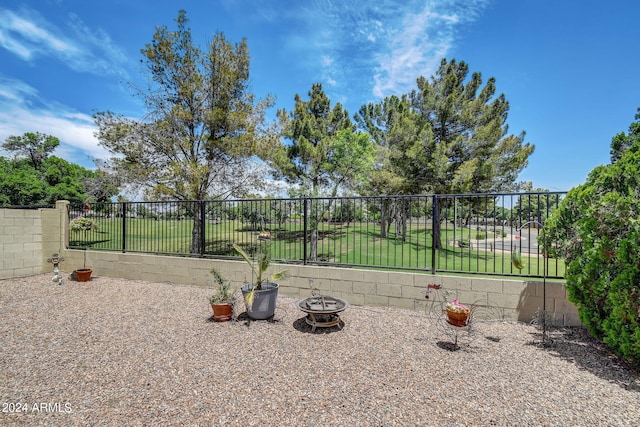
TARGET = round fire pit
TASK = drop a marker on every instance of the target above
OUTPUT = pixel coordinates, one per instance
(322, 311)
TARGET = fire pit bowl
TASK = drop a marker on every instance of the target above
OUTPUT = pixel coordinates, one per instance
(322, 311)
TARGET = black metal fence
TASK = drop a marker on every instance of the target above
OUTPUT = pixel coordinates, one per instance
(472, 233)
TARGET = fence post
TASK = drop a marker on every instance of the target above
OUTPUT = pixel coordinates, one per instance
(124, 227)
(434, 218)
(305, 207)
(202, 203)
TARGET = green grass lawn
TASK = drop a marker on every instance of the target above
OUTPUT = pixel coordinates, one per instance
(349, 244)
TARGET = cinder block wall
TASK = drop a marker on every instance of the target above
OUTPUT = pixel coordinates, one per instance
(54, 231)
(512, 299)
(20, 242)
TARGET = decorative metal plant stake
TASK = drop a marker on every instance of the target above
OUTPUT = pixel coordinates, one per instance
(56, 260)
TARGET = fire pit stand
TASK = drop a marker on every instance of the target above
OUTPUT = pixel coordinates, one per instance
(322, 311)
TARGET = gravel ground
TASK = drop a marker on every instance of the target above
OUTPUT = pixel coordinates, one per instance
(117, 352)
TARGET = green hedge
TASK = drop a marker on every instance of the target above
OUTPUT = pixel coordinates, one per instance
(598, 229)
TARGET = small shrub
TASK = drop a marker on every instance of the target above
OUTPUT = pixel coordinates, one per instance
(83, 224)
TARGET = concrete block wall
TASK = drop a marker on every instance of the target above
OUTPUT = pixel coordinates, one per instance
(20, 242)
(512, 299)
(509, 299)
(54, 231)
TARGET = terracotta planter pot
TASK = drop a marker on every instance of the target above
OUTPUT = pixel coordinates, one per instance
(83, 274)
(222, 312)
(458, 319)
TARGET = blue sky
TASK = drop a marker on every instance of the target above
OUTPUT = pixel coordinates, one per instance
(570, 69)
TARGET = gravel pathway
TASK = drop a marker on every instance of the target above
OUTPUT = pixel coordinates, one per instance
(117, 352)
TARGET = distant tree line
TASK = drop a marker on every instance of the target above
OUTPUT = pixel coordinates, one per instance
(31, 175)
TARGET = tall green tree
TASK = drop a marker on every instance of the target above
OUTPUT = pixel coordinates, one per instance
(309, 160)
(310, 128)
(203, 124)
(384, 121)
(448, 136)
(35, 146)
(352, 156)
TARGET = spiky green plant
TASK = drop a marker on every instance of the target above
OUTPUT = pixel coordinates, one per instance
(223, 293)
(259, 266)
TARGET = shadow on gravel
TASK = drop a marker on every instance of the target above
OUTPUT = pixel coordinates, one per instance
(245, 320)
(302, 326)
(448, 345)
(577, 346)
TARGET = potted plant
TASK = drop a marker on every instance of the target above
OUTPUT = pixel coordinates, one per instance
(222, 300)
(260, 296)
(457, 314)
(83, 224)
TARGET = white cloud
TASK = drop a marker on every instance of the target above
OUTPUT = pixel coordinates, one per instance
(100, 54)
(15, 91)
(327, 61)
(381, 47)
(19, 115)
(26, 38)
(414, 49)
(28, 35)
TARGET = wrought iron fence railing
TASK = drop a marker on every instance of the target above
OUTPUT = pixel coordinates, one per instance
(463, 233)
